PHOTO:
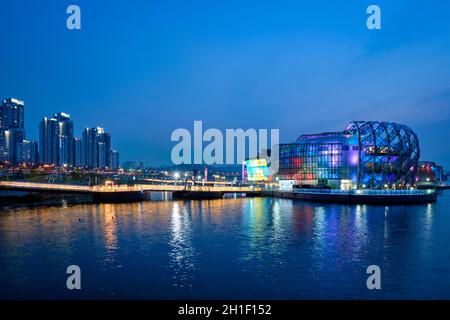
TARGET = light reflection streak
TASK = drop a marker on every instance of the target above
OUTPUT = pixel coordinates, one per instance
(279, 234)
(255, 228)
(358, 235)
(110, 231)
(182, 253)
(319, 239)
(428, 222)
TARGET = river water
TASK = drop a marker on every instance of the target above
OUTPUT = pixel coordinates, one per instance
(232, 248)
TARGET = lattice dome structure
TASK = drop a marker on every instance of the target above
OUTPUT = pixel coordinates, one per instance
(388, 153)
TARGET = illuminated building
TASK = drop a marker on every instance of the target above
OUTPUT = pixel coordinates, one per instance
(55, 139)
(367, 154)
(114, 159)
(27, 152)
(65, 139)
(76, 160)
(12, 114)
(48, 141)
(106, 140)
(256, 170)
(88, 146)
(11, 128)
(11, 139)
(96, 147)
(429, 174)
(101, 155)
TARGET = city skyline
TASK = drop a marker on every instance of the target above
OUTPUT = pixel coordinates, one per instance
(297, 67)
(92, 150)
(56, 145)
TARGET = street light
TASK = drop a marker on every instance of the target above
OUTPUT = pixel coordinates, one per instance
(176, 175)
(109, 183)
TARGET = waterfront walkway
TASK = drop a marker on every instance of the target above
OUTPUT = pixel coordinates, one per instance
(124, 193)
(365, 196)
(83, 189)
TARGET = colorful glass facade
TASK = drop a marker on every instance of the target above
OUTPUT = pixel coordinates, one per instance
(364, 155)
(257, 170)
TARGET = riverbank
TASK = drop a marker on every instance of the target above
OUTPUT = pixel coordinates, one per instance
(28, 199)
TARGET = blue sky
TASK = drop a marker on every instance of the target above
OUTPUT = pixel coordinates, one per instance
(141, 69)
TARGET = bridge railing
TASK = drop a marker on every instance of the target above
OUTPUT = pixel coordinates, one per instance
(222, 189)
(123, 187)
(40, 185)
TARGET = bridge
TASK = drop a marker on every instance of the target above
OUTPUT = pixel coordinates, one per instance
(136, 192)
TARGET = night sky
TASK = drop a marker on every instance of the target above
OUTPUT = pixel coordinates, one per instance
(141, 69)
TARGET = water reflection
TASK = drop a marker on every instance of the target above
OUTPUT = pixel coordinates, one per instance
(182, 252)
(279, 230)
(108, 211)
(245, 247)
(360, 232)
(254, 224)
(316, 220)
